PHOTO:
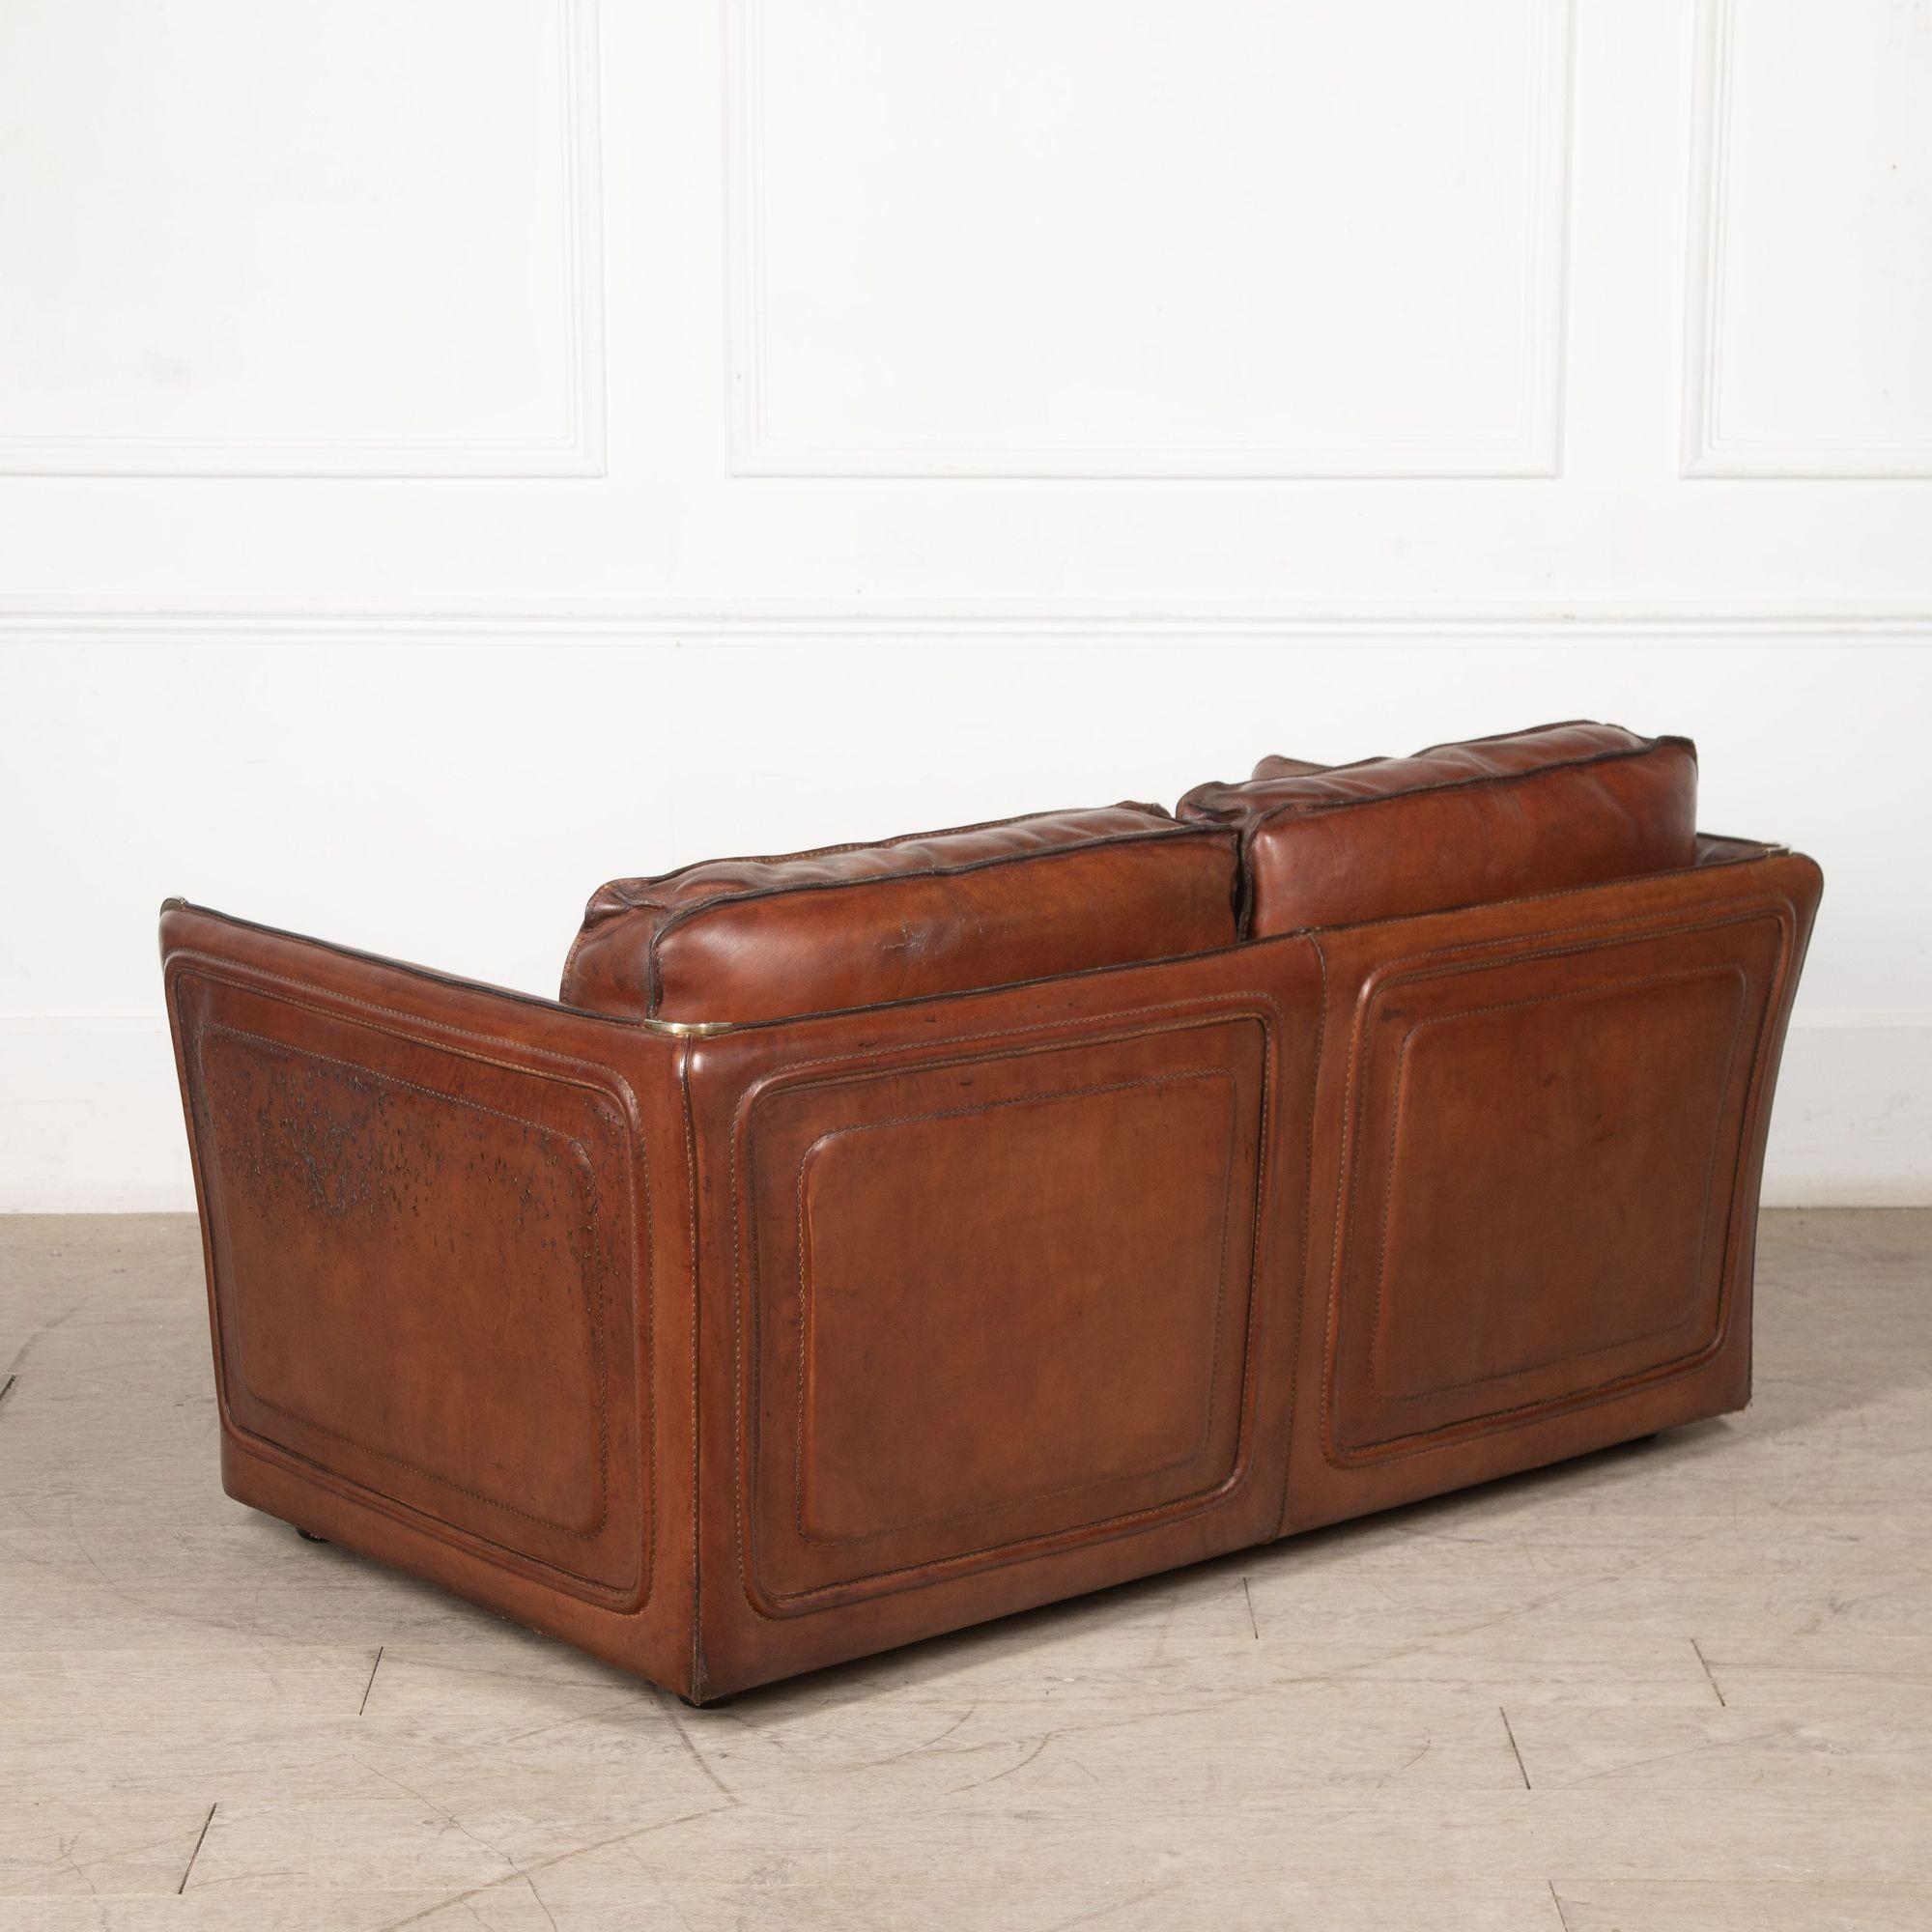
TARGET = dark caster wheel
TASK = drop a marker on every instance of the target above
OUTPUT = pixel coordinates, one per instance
(309, 1536)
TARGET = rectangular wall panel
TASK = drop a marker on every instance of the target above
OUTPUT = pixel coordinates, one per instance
(1067, 237)
(1810, 274)
(351, 240)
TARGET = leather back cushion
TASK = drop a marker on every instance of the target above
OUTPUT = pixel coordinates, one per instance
(1529, 812)
(933, 912)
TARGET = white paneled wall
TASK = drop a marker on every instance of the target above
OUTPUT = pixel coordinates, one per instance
(358, 239)
(453, 451)
(1079, 239)
(1810, 304)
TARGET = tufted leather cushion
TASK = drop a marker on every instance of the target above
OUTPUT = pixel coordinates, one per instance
(931, 911)
(1460, 824)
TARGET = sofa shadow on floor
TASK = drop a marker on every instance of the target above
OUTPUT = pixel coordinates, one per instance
(1337, 1546)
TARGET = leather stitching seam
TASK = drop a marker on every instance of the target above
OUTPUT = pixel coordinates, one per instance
(880, 844)
(696, 1355)
(221, 976)
(854, 1059)
(1706, 868)
(1300, 1283)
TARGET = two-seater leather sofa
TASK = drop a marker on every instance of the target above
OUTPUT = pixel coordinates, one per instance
(877, 1240)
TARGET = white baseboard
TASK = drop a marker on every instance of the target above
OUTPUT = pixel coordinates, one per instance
(91, 1120)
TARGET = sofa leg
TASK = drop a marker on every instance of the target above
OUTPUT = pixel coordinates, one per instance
(309, 1535)
(709, 1704)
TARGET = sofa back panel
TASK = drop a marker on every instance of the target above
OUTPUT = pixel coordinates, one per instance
(761, 939)
(1491, 1265)
(864, 1326)
(1002, 1297)
(1541, 1132)
(1002, 1292)
(1495, 819)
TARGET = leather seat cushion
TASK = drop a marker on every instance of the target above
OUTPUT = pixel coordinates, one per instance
(931, 911)
(1460, 824)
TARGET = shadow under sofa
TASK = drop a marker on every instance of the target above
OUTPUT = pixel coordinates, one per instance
(877, 1241)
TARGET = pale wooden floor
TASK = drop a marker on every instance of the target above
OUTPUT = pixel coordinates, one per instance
(1687, 1685)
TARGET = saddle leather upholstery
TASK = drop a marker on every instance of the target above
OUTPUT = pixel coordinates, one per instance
(727, 1352)
(931, 911)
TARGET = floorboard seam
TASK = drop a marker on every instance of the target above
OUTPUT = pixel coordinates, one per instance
(200, 1840)
(1515, 1750)
(1716, 1691)
(371, 1684)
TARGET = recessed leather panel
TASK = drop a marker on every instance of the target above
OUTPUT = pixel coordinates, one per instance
(1092, 1243)
(425, 1274)
(1542, 1161)
(997, 1299)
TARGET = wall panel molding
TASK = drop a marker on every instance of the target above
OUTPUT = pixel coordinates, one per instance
(1704, 277)
(1709, 449)
(578, 449)
(1526, 445)
(996, 622)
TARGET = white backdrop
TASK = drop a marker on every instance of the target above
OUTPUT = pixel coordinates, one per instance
(455, 450)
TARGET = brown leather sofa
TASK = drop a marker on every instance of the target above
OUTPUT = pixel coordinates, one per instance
(878, 1239)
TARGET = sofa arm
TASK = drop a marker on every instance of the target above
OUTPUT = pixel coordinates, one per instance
(442, 1226)
(1541, 1133)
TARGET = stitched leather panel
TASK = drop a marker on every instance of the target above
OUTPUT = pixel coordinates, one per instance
(1599, 1135)
(425, 1269)
(1092, 1245)
(1543, 1156)
(1062, 1346)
